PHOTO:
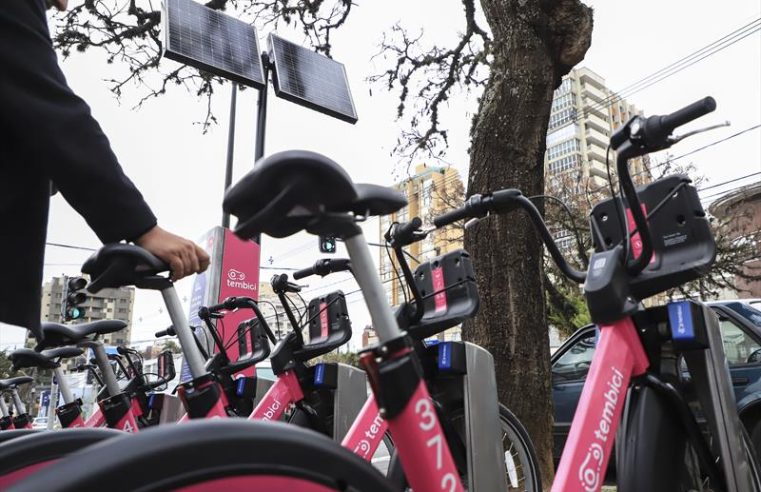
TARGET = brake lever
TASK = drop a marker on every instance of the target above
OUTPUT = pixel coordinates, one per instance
(672, 140)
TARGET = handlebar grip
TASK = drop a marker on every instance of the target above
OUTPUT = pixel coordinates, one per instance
(405, 230)
(688, 113)
(452, 216)
(303, 273)
(163, 333)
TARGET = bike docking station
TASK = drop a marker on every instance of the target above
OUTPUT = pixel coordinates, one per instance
(214, 42)
(696, 333)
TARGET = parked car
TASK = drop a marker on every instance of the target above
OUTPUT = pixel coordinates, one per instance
(740, 326)
(40, 423)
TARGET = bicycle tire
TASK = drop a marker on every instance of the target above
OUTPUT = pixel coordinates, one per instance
(227, 454)
(31, 451)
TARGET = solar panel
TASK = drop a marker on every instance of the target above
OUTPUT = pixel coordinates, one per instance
(310, 79)
(209, 40)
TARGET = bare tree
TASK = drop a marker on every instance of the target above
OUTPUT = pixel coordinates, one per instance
(130, 36)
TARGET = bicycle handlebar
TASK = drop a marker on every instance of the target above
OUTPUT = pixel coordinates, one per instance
(168, 332)
(232, 303)
(324, 267)
(642, 136)
(504, 201)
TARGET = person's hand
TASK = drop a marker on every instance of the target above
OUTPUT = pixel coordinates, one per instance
(183, 256)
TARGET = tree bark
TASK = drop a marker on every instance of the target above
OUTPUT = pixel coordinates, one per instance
(534, 44)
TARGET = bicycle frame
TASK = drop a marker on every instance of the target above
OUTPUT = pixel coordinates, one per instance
(416, 430)
(619, 356)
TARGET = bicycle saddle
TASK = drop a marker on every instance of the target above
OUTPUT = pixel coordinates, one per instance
(11, 383)
(288, 190)
(58, 335)
(47, 359)
(118, 265)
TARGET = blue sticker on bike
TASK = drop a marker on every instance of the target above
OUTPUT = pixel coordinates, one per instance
(681, 322)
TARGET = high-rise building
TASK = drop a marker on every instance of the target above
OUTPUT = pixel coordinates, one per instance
(106, 304)
(583, 116)
(431, 191)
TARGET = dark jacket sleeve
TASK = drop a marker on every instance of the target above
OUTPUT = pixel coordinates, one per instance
(58, 131)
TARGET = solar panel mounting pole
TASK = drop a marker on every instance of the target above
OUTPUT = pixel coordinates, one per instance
(230, 149)
(261, 109)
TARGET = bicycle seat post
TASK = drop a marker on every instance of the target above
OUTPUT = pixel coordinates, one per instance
(101, 359)
(63, 385)
(182, 328)
(20, 407)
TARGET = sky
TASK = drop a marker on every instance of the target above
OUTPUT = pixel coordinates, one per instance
(180, 170)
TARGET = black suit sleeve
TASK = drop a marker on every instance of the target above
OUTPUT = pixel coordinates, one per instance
(55, 131)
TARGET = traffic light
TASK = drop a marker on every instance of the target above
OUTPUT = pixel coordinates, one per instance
(73, 296)
(327, 244)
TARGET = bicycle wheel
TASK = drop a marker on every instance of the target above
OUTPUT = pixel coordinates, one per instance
(32, 451)
(231, 455)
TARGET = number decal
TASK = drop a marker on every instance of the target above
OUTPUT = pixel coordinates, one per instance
(449, 482)
(436, 441)
(425, 409)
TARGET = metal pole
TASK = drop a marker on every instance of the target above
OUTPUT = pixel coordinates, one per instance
(52, 404)
(63, 298)
(230, 148)
(261, 109)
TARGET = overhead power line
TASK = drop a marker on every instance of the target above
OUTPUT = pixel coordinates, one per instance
(677, 66)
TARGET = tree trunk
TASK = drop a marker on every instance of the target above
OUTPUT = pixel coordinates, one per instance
(534, 45)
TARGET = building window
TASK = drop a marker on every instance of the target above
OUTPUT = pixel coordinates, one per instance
(564, 164)
(565, 87)
(562, 118)
(565, 101)
(567, 147)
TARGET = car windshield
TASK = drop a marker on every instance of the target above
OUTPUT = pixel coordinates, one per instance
(750, 313)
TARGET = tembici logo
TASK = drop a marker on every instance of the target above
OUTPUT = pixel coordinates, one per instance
(590, 471)
(237, 279)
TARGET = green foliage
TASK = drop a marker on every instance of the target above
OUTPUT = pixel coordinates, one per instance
(574, 316)
(172, 346)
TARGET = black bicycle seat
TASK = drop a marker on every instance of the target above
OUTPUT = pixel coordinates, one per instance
(11, 383)
(23, 358)
(119, 265)
(288, 190)
(377, 200)
(58, 335)
(48, 359)
(63, 352)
